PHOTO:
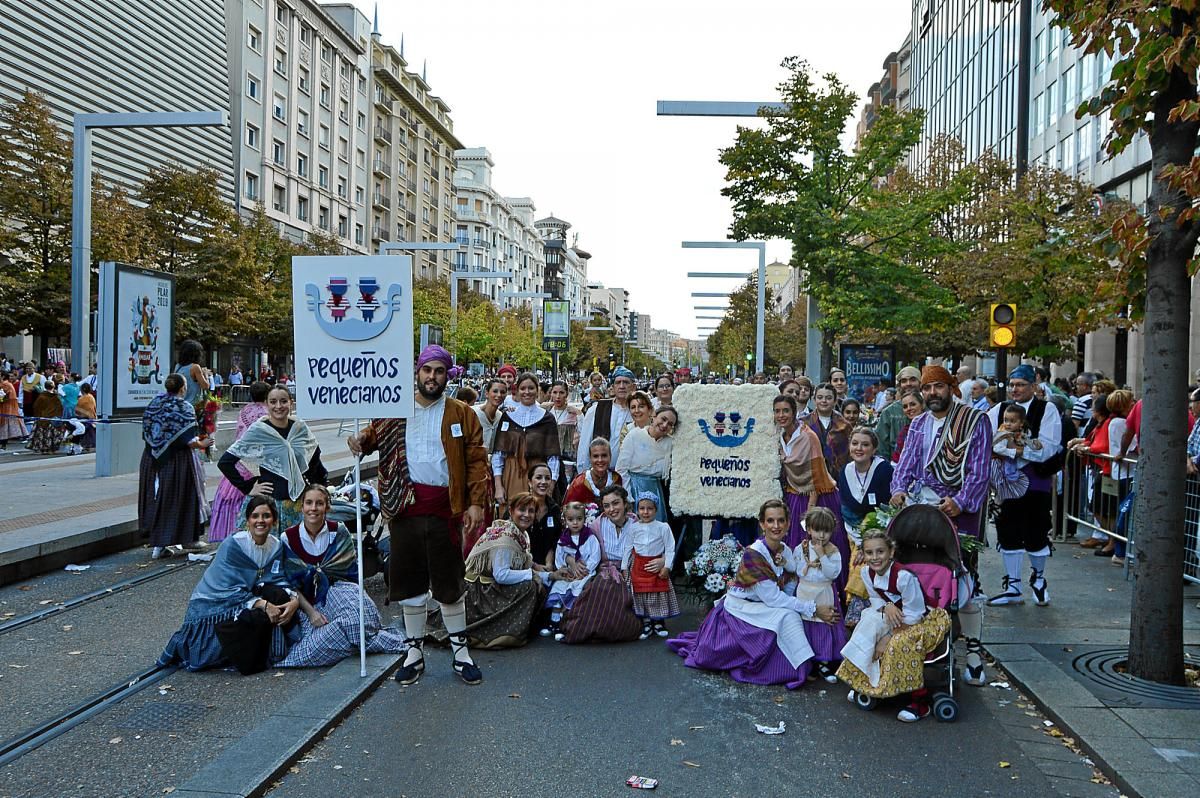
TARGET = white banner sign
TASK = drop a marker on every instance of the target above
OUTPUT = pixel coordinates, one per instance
(353, 321)
(725, 458)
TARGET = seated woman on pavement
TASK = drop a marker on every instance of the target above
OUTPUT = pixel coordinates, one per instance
(239, 611)
(320, 562)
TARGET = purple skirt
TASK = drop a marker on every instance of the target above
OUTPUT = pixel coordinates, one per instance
(797, 507)
(226, 506)
(745, 652)
(826, 639)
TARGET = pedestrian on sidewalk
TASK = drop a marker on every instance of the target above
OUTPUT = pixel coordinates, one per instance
(433, 475)
(85, 409)
(171, 504)
(12, 428)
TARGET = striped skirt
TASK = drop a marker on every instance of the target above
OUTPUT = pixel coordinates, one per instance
(604, 611)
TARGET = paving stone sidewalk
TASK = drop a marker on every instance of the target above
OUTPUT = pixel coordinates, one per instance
(1146, 739)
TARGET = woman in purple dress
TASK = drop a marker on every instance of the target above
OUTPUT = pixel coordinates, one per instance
(229, 500)
(757, 632)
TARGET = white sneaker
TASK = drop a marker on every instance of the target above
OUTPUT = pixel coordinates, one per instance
(545, 632)
(850, 696)
(974, 676)
(159, 552)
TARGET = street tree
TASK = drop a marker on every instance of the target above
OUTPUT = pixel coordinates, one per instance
(1153, 90)
(860, 251)
(35, 222)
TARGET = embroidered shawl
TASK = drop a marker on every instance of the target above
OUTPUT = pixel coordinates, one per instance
(262, 444)
(754, 568)
(339, 563)
(950, 460)
(500, 535)
(166, 419)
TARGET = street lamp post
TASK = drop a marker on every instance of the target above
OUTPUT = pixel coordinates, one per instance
(760, 325)
(118, 445)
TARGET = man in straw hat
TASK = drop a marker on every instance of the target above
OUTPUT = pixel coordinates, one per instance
(433, 478)
(946, 461)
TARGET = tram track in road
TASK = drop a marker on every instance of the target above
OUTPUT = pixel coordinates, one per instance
(14, 748)
(59, 608)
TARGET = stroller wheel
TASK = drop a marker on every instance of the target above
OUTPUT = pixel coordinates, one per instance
(865, 702)
(945, 708)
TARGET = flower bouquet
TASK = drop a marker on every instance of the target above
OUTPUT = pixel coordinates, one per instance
(208, 406)
(711, 570)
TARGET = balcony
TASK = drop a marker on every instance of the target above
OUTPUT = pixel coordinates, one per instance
(412, 186)
(379, 166)
(412, 155)
(381, 200)
(479, 242)
(462, 241)
(376, 232)
(382, 133)
(411, 216)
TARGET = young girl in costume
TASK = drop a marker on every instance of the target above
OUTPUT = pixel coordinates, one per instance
(818, 563)
(578, 552)
(649, 554)
(886, 654)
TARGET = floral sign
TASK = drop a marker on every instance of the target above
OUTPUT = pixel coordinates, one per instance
(725, 459)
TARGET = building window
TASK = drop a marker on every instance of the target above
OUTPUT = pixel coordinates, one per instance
(305, 34)
(342, 226)
(341, 187)
(254, 38)
(326, 53)
(281, 15)
(302, 165)
(1068, 92)
(251, 186)
(323, 137)
(360, 159)
(323, 176)
(343, 148)
(1052, 103)
(281, 63)
(1039, 114)
(251, 136)
(280, 109)
(324, 96)
(252, 87)
(302, 208)
(359, 195)
(278, 152)
(344, 70)
(302, 122)
(362, 85)
(1039, 51)
(302, 80)
(344, 111)
(323, 218)
(279, 198)
(358, 234)
(361, 121)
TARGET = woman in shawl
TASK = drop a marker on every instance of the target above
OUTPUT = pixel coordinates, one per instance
(229, 500)
(645, 459)
(806, 482)
(586, 487)
(756, 632)
(505, 587)
(567, 419)
(527, 435)
(47, 435)
(320, 562)
(286, 453)
(172, 507)
(546, 528)
(12, 427)
(832, 429)
(239, 611)
(85, 409)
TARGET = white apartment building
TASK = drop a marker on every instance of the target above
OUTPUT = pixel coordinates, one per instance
(299, 78)
(612, 304)
(495, 233)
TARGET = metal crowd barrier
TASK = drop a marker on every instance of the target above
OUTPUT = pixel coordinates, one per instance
(1086, 501)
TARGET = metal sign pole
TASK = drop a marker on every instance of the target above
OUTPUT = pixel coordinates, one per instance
(362, 590)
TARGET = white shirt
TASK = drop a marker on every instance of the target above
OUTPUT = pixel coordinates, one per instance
(612, 539)
(235, 378)
(767, 591)
(641, 454)
(1050, 433)
(525, 415)
(503, 574)
(649, 540)
(909, 594)
(423, 445)
(316, 546)
(588, 432)
(830, 566)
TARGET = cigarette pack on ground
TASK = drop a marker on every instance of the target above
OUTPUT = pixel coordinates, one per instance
(641, 783)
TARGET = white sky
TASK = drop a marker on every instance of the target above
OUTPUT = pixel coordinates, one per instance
(563, 92)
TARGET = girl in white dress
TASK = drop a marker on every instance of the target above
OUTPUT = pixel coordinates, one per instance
(818, 563)
(577, 555)
(646, 563)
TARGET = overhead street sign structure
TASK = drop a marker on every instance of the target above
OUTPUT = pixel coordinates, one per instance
(715, 108)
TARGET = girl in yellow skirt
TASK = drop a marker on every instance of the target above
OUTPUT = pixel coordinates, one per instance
(886, 654)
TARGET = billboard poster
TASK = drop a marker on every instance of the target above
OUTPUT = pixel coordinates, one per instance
(865, 365)
(140, 307)
(353, 326)
(556, 325)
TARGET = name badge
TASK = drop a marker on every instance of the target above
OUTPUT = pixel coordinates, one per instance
(456, 430)
(871, 499)
(550, 522)
(504, 427)
(275, 567)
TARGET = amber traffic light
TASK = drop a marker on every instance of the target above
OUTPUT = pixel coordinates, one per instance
(1002, 322)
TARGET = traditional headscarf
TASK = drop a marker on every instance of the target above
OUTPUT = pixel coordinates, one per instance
(647, 496)
(501, 534)
(939, 374)
(621, 371)
(434, 352)
(507, 368)
(1023, 372)
(909, 371)
(166, 419)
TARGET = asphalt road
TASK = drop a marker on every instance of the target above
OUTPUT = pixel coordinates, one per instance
(552, 720)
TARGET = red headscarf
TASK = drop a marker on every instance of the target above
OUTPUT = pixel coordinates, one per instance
(939, 374)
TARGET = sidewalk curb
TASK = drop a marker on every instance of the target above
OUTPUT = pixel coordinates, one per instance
(1039, 678)
(249, 766)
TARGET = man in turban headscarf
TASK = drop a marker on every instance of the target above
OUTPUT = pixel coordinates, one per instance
(1023, 524)
(946, 461)
(433, 478)
(892, 418)
(607, 417)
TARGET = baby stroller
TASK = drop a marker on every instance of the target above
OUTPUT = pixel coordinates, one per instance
(927, 545)
(342, 509)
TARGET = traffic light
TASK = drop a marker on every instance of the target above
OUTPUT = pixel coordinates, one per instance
(1003, 326)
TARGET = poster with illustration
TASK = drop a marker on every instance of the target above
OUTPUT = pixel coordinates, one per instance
(143, 317)
(353, 325)
(865, 365)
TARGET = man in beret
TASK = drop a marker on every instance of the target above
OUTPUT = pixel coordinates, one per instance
(1023, 524)
(946, 460)
(607, 417)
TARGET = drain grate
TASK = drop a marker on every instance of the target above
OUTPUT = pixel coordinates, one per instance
(163, 716)
(1099, 666)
